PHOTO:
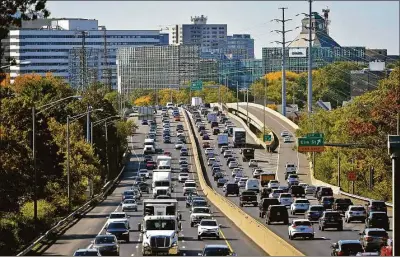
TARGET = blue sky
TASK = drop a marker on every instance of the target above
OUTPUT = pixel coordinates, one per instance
(373, 24)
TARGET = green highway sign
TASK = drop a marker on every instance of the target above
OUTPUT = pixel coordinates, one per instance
(197, 85)
(267, 138)
(310, 144)
(315, 135)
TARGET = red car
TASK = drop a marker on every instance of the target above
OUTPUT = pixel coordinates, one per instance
(150, 165)
(167, 153)
(387, 250)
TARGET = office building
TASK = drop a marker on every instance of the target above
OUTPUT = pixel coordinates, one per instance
(240, 46)
(78, 50)
(157, 67)
(209, 37)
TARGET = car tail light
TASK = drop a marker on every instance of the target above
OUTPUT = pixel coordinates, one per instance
(293, 226)
(368, 238)
(340, 253)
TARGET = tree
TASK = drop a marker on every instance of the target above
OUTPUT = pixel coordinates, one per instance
(143, 101)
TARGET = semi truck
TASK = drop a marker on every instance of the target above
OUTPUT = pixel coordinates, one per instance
(163, 162)
(160, 207)
(145, 111)
(239, 137)
(212, 117)
(197, 101)
(222, 140)
(161, 182)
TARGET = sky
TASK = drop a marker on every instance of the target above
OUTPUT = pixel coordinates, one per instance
(373, 24)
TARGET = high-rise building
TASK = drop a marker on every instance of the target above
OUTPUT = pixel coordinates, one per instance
(240, 46)
(157, 67)
(78, 50)
(209, 37)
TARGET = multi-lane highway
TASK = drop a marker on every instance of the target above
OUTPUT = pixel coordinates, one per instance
(323, 239)
(85, 230)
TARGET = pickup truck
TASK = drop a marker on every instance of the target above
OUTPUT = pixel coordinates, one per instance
(341, 204)
(248, 197)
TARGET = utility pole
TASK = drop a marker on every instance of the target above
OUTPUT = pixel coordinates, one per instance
(283, 43)
(309, 88)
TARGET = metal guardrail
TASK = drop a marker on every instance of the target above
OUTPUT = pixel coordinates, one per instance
(105, 190)
(361, 198)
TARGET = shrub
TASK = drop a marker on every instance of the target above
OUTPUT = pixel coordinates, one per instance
(9, 241)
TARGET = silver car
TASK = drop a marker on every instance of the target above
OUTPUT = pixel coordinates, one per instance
(106, 244)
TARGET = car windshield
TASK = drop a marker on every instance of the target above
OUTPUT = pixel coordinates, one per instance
(378, 204)
(277, 191)
(129, 201)
(317, 208)
(201, 210)
(302, 223)
(354, 248)
(378, 233)
(86, 253)
(286, 196)
(117, 225)
(117, 216)
(199, 203)
(129, 193)
(302, 201)
(378, 215)
(332, 214)
(190, 184)
(160, 224)
(105, 240)
(208, 223)
(357, 208)
(216, 252)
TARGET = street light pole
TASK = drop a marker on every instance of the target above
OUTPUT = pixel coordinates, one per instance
(108, 166)
(35, 197)
(68, 168)
(309, 91)
(247, 107)
(91, 133)
(237, 95)
(88, 123)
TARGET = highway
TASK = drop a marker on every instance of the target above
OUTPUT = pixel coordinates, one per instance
(84, 231)
(320, 246)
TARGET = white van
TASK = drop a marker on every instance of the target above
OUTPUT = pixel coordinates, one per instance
(253, 185)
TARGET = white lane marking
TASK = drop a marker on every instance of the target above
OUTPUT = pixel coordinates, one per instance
(183, 247)
(132, 254)
(137, 246)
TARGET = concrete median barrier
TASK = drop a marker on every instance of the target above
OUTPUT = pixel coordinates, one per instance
(258, 232)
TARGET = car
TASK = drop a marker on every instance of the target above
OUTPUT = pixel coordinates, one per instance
(287, 139)
(377, 219)
(346, 248)
(183, 160)
(129, 205)
(275, 193)
(127, 193)
(188, 186)
(310, 190)
(147, 158)
(327, 202)
(203, 132)
(144, 187)
(355, 212)
(231, 189)
(217, 250)
(273, 184)
(218, 175)
(303, 185)
(145, 122)
(277, 213)
(285, 133)
(297, 191)
(285, 199)
(206, 137)
(215, 131)
(167, 140)
(228, 153)
(87, 252)
(299, 205)
(150, 165)
(180, 133)
(257, 172)
(199, 213)
(314, 212)
(293, 179)
(253, 163)
(264, 204)
(330, 219)
(208, 150)
(183, 177)
(177, 118)
(285, 189)
(238, 177)
(221, 182)
(184, 169)
(341, 204)
(373, 238)
(184, 152)
(242, 182)
(223, 149)
(233, 164)
(167, 153)
(118, 217)
(210, 161)
(143, 173)
(179, 145)
(301, 228)
(236, 171)
(192, 197)
(208, 228)
(118, 229)
(374, 205)
(206, 144)
(106, 244)
(324, 191)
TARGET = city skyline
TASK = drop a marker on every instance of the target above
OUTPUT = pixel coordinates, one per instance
(381, 28)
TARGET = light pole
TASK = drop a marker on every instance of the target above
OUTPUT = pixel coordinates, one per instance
(237, 95)
(247, 107)
(34, 113)
(69, 119)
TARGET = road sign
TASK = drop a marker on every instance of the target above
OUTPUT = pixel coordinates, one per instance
(197, 85)
(351, 176)
(317, 135)
(267, 138)
(314, 144)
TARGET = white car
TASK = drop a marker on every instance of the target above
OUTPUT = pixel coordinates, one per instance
(275, 193)
(211, 161)
(301, 228)
(144, 173)
(355, 212)
(129, 205)
(208, 150)
(287, 140)
(235, 171)
(199, 213)
(256, 173)
(233, 165)
(189, 185)
(224, 148)
(253, 163)
(303, 185)
(285, 199)
(228, 153)
(273, 184)
(208, 228)
(290, 167)
(285, 133)
(118, 217)
(310, 190)
(293, 179)
(299, 205)
(238, 177)
(242, 182)
(179, 146)
(183, 177)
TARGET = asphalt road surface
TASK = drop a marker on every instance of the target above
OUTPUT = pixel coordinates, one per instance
(320, 246)
(85, 230)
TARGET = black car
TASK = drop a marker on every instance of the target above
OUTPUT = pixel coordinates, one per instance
(341, 204)
(218, 175)
(375, 205)
(143, 187)
(331, 219)
(145, 122)
(264, 204)
(314, 212)
(215, 131)
(214, 124)
(167, 140)
(297, 191)
(346, 248)
(191, 197)
(327, 202)
(217, 250)
(377, 220)
(232, 189)
(118, 229)
(277, 213)
(324, 191)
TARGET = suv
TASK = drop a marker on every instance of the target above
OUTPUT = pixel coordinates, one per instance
(346, 248)
(377, 220)
(376, 206)
(232, 189)
(118, 229)
(327, 202)
(106, 244)
(314, 212)
(217, 250)
(373, 238)
(324, 191)
(331, 219)
(341, 204)
(297, 191)
(248, 197)
(208, 228)
(355, 212)
(199, 213)
(277, 213)
(264, 204)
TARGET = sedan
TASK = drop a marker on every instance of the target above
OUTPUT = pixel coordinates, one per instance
(184, 152)
(253, 163)
(183, 160)
(206, 137)
(179, 145)
(206, 144)
(145, 122)
(310, 190)
(221, 182)
(287, 140)
(167, 140)
(183, 177)
(233, 165)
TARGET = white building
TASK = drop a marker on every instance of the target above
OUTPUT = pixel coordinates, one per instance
(210, 37)
(56, 46)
